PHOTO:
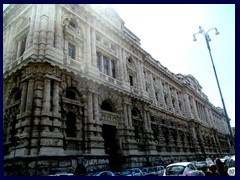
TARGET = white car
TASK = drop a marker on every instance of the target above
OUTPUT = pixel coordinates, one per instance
(179, 169)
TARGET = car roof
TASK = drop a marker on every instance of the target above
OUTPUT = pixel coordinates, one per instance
(180, 164)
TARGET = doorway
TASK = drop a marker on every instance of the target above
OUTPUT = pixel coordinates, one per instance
(111, 146)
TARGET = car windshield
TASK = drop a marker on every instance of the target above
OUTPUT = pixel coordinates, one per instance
(175, 170)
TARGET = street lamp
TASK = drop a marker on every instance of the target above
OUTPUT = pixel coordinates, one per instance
(207, 39)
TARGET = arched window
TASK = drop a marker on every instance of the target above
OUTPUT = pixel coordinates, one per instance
(70, 94)
(72, 23)
(17, 96)
(106, 106)
(71, 125)
(134, 112)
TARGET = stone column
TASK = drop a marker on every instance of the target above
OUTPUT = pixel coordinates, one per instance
(124, 64)
(121, 74)
(58, 34)
(195, 109)
(145, 120)
(205, 113)
(46, 96)
(23, 97)
(36, 26)
(9, 49)
(130, 116)
(187, 105)
(140, 76)
(125, 110)
(90, 106)
(149, 121)
(50, 30)
(110, 68)
(30, 34)
(94, 58)
(161, 94)
(143, 78)
(88, 46)
(102, 64)
(152, 86)
(95, 107)
(18, 49)
(43, 30)
(176, 97)
(30, 93)
(56, 98)
(169, 96)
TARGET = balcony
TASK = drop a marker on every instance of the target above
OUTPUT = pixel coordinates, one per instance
(13, 64)
(134, 90)
(110, 80)
(73, 63)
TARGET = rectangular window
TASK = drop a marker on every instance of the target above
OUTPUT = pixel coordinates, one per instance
(113, 69)
(71, 50)
(106, 65)
(23, 45)
(99, 61)
(131, 80)
(156, 94)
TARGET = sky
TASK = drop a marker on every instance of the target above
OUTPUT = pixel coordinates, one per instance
(166, 33)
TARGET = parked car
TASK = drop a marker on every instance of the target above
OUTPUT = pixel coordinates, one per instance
(102, 173)
(159, 170)
(231, 166)
(179, 169)
(195, 173)
(62, 174)
(148, 171)
(203, 166)
(131, 172)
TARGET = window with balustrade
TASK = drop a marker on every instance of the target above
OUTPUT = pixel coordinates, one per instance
(106, 65)
(21, 45)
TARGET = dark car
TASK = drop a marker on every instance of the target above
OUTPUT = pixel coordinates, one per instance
(203, 166)
(131, 172)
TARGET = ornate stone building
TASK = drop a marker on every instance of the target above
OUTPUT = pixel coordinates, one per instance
(80, 94)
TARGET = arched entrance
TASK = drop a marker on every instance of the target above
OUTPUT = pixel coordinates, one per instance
(110, 134)
(111, 145)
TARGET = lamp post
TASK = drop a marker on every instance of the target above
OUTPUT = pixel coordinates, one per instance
(207, 39)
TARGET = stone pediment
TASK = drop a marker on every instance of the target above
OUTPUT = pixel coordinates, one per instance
(108, 13)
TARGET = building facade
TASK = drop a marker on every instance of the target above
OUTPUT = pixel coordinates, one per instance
(81, 95)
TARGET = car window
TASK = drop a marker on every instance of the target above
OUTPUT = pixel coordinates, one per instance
(191, 166)
(174, 170)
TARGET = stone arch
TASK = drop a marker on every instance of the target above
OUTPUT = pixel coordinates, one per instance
(107, 105)
(68, 19)
(72, 112)
(112, 98)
